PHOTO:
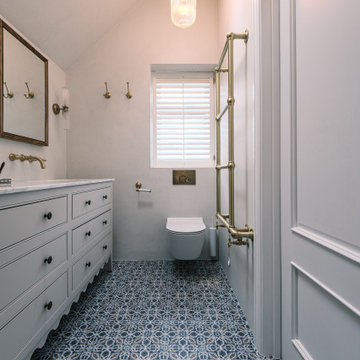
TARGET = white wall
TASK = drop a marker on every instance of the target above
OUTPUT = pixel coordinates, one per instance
(236, 16)
(55, 153)
(111, 138)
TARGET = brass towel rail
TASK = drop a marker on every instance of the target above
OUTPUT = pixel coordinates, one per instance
(227, 220)
(222, 113)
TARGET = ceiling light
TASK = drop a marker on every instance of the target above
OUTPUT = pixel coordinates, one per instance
(183, 12)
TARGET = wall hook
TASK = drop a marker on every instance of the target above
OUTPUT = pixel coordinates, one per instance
(9, 94)
(30, 94)
(107, 95)
(129, 95)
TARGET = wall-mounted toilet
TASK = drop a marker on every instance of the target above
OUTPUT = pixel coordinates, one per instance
(186, 237)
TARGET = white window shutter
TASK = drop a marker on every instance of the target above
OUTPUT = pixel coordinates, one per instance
(183, 120)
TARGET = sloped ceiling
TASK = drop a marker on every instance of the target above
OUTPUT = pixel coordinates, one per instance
(64, 29)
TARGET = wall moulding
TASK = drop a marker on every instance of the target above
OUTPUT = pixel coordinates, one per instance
(338, 246)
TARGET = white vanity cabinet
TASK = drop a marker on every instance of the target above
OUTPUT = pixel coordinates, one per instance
(55, 236)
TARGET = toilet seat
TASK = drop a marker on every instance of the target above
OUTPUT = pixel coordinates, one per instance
(186, 237)
(183, 225)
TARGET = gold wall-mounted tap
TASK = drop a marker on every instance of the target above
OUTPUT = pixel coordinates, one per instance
(29, 158)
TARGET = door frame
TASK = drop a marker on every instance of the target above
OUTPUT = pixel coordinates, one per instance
(267, 287)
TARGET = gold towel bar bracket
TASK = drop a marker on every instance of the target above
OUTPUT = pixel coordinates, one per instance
(231, 101)
(238, 242)
(239, 233)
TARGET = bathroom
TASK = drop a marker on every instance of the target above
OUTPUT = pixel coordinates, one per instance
(126, 44)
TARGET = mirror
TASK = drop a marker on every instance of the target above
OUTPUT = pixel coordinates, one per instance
(24, 90)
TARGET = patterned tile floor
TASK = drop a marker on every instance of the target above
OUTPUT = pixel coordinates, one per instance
(154, 310)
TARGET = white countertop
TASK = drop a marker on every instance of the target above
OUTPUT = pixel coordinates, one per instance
(33, 185)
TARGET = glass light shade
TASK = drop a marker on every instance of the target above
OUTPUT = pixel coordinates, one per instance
(64, 101)
(183, 12)
(64, 96)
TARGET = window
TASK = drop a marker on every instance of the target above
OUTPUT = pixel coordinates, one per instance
(182, 119)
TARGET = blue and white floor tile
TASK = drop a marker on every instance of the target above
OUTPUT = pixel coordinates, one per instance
(154, 310)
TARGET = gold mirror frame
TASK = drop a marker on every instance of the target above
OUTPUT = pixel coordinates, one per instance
(3, 133)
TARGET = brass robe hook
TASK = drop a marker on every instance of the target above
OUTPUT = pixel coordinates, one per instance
(30, 94)
(107, 95)
(129, 95)
(9, 94)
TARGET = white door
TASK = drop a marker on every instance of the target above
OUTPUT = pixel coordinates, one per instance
(320, 181)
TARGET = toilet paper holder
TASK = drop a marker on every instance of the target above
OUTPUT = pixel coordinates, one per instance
(138, 187)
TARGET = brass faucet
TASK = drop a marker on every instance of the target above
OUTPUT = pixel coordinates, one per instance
(29, 158)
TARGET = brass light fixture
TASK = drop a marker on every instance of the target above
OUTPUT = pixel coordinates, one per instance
(57, 108)
(183, 12)
(64, 100)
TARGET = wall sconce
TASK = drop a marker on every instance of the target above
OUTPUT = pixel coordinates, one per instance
(64, 99)
(183, 12)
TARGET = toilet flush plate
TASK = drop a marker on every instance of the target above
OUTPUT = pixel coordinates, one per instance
(184, 177)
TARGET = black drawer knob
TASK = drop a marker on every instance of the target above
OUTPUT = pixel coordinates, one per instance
(88, 202)
(105, 247)
(88, 264)
(88, 233)
(48, 215)
(49, 305)
(105, 222)
(48, 260)
(105, 197)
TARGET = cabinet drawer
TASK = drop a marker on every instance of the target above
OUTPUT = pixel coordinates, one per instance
(21, 329)
(21, 222)
(91, 260)
(87, 232)
(88, 201)
(86, 264)
(23, 273)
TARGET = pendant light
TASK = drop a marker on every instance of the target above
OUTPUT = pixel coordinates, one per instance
(183, 12)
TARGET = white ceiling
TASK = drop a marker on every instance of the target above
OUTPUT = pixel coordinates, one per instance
(64, 29)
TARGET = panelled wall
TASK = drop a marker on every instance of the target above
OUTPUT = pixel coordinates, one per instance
(111, 137)
(320, 179)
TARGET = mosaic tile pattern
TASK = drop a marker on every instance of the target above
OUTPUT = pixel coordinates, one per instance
(154, 310)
